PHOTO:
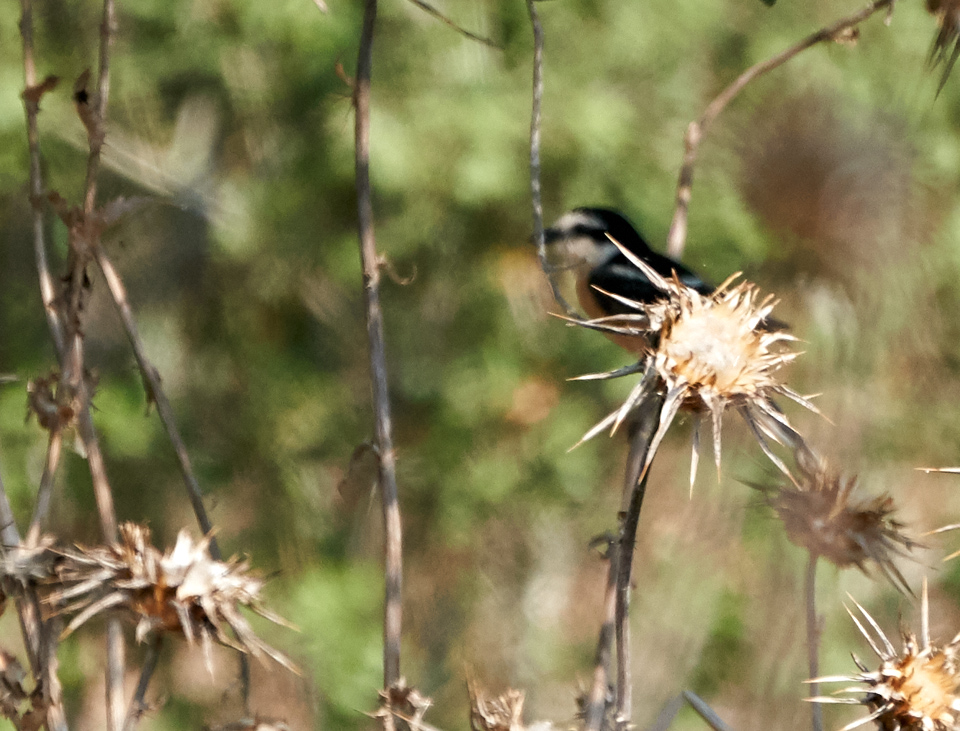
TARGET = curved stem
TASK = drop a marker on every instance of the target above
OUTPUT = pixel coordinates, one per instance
(813, 639)
(393, 541)
(677, 236)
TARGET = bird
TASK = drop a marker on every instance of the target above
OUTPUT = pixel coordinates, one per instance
(580, 241)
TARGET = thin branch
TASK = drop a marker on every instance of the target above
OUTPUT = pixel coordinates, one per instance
(39, 638)
(813, 639)
(393, 540)
(31, 103)
(97, 133)
(429, 9)
(635, 487)
(705, 711)
(45, 492)
(677, 236)
(156, 394)
(138, 703)
(598, 701)
(535, 188)
(36, 635)
(104, 497)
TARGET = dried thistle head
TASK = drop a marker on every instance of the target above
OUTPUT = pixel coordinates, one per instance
(181, 590)
(404, 702)
(705, 354)
(946, 46)
(54, 402)
(28, 563)
(917, 689)
(824, 513)
(503, 713)
(500, 713)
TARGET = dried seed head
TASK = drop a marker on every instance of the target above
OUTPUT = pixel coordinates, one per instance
(502, 713)
(707, 354)
(404, 702)
(917, 689)
(54, 402)
(824, 513)
(182, 590)
(946, 46)
(28, 564)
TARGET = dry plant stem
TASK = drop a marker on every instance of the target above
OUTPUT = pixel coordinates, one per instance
(45, 493)
(705, 711)
(596, 707)
(677, 236)
(157, 394)
(28, 607)
(393, 540)
(635, 488)
(137, 703)
(430, 10)
(39, 640)
(535, 188)
(107, 23)
(115, 647)
(628, 542)
(31, 108)
(813, 639)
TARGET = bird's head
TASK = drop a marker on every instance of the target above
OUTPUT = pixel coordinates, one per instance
(579, 237)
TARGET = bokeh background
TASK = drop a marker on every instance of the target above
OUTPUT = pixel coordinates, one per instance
(832, 182)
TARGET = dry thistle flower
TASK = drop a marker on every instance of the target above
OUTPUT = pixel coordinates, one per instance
(401, 701)
(915, 690)
(823, 513)
(503, 713)
(709, 353)
(182, 590)
(14, 697)
(946, 46)
(28, 564)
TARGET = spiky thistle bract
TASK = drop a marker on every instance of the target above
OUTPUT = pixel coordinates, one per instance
(705, 354)
(915, 689)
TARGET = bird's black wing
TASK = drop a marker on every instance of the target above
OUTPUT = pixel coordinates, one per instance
(619, 276)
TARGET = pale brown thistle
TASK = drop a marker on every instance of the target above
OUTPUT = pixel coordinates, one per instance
(825, 512)
(916, 689)
(708, 354)
(181, 590)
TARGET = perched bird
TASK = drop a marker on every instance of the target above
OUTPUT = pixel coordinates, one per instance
(579, 241)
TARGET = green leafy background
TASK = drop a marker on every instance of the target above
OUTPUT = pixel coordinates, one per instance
(831, 181)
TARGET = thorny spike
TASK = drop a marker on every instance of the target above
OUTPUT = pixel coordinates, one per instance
(619, 372)
(890, 652)
(648, 271)
(632, 304)
(671, 404)
(636, 395)
(747, 417)
(866, 719)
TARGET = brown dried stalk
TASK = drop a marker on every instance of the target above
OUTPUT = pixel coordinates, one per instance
(535, 187)
(393, 538)
(156, 394)
(598, 701)
(677, 236)
(430, 10)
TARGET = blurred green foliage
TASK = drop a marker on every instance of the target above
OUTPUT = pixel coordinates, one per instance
(832, 181)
